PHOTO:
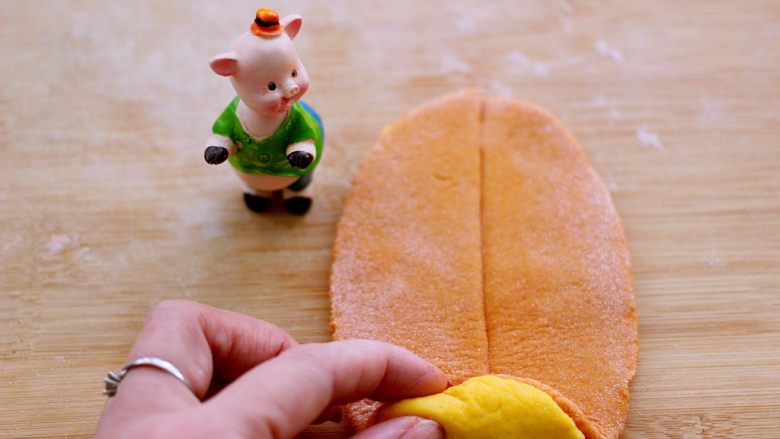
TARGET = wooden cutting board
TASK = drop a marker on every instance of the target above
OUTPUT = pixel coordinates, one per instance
(106, 205)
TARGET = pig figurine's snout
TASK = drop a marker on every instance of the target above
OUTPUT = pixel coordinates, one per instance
(291, 90)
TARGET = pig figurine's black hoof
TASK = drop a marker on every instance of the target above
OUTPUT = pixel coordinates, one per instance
(255, 203)
(215, 155)
(300, 159)
(297, 205)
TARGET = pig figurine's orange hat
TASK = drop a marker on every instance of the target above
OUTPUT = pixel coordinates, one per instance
(266, 23)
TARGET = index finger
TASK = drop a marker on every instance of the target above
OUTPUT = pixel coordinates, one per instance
(282, 396)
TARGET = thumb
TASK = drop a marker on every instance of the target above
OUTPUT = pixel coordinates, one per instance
(406, 427)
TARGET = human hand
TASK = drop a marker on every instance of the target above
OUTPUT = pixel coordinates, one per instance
(268, 385)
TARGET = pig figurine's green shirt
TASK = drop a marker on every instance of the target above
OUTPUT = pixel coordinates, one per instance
(268, 155)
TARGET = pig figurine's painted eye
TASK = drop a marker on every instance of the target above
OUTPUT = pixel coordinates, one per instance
(272, 86)
(294, 73)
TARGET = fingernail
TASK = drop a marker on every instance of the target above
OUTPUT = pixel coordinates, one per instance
(424, 429)
(405, 427)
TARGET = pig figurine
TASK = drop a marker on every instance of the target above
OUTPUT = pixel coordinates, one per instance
(272, 140)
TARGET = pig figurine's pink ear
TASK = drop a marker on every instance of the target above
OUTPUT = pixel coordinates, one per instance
(225, 64)
(292, 25)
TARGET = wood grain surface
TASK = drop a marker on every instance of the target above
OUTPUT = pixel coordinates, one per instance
(106, 205)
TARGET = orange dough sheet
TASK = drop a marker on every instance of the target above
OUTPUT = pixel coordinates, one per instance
(468, 190)
(557, 273)
(407, 253)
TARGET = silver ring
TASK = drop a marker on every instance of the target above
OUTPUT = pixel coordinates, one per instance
(114, 378)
